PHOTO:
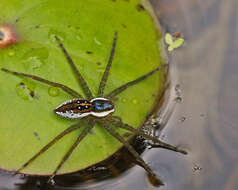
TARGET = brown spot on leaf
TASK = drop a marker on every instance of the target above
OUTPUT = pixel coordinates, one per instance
(37, 26)
(124, 26)
(36, 135)
(32, 94)
(89, 52)
(140, 7)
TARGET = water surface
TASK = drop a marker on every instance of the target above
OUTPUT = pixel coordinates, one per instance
(204, 120)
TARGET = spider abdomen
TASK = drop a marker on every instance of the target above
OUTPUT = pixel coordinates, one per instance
(75, 108)
(78, 108)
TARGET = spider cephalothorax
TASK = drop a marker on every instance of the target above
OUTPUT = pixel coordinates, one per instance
(99, 108)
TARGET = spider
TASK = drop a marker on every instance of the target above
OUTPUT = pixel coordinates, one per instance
(94, 110)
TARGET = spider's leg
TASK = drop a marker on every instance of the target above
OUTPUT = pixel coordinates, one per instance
(54, 84)
(51, 143)
(131, 83)
(81, 80)
(106, 72)
(70, 151)
(160, 143)
(131, 150)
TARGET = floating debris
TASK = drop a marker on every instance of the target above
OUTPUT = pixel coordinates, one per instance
(173, 44)
(182, 119)
(196, 168)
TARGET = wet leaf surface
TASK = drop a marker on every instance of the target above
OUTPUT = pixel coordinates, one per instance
(83, 26)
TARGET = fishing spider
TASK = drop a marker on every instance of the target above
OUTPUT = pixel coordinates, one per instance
(95, 110)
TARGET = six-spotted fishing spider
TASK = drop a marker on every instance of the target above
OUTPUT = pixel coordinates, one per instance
(94, 110)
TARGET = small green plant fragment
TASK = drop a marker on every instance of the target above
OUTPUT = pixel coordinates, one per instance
(168, 38)
(177, 43)
(173, 44)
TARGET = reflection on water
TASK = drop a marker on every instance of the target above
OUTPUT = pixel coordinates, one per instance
(205, 121)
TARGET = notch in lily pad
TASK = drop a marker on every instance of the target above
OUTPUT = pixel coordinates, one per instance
(173, 44)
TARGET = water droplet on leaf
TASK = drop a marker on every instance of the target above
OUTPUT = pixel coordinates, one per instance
(35, 58)
(100, 69)
(11, 53)
(134, 101)
(53, 91)
(123, 100)
(23, 91)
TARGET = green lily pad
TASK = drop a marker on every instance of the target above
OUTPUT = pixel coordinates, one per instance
(86, 28)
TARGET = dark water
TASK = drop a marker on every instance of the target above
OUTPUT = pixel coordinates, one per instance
(204, 75)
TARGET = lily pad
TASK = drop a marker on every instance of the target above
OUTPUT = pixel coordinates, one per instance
(86, 28)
